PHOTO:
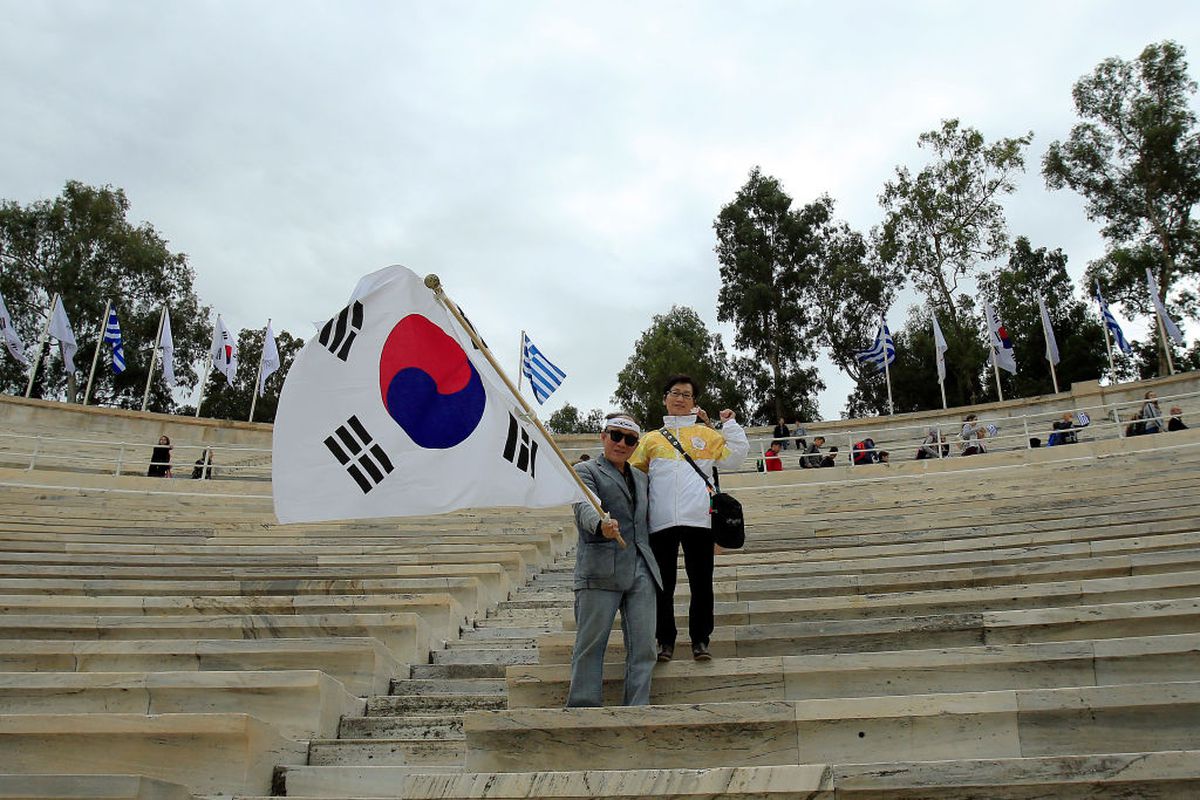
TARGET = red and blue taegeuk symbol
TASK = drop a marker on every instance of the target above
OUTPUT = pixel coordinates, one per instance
(1006, 342)
(429, 386)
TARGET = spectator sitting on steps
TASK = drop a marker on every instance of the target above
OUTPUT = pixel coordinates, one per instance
(160, 459)
(780, 434)
(1175, 423)
(204, 465)
(812, 453)
(771, 460)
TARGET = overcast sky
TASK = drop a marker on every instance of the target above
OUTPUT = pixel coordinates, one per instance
(558, 164)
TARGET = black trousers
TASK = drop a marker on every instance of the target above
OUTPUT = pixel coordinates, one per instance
(698, 562)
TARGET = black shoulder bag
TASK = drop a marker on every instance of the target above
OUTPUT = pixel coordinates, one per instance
(728, 524)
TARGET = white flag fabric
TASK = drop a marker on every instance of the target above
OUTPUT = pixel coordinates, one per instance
(270, 359)
(224, 351)
(392, 411)
(939, 345)
(60, 329)
(1172, 329)
(167, 343)
(1048, 329)
(12, 339)
(1001, 344)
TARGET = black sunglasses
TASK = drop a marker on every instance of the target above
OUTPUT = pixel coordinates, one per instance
(631, 439)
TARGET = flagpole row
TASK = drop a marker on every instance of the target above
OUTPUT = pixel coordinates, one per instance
(41, 343)
(96, 356)
(154, 357)
(434, 284)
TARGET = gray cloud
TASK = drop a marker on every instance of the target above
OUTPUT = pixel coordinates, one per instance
(533, 154)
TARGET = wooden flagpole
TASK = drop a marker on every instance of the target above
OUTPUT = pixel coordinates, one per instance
(434, 284)
(96, 356)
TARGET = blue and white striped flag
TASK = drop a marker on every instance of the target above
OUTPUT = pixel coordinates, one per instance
(1111, 323)
(112, 335)
(543, 376)
(882, 352)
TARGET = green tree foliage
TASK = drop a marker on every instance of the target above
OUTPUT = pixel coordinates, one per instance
(82, 246)
(222, 401)
(1135, 159)
(677, 342)
(944, 223)
(769, 256)
(1077, 329)
(568, 420)
(856, 289)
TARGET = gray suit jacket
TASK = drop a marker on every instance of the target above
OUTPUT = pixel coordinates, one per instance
(601, 563)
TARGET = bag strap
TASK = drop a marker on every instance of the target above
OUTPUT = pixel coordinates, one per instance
(675, 443)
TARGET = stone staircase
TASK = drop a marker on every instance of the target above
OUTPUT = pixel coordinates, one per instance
(417, 728)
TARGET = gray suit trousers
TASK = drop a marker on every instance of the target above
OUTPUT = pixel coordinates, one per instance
(595, 611)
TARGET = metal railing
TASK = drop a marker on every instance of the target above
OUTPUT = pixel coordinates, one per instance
(49, 450)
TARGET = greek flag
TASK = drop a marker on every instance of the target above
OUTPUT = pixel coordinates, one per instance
(112, 335)
(882, 352)
(1111, 323)
(543, 376)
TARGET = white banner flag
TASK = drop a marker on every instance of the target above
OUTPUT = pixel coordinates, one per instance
(1048, 329)
(1001, 344)
(60, 329)
(391, 411)
(12, 339)
(167, 343)
(270, 359)
(224, 351)
(1172, 329)
(940, 347)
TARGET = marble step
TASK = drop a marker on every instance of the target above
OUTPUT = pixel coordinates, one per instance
(349, 781)
(959, 669)
(431, 704)
(409, 726)
(298, 704)
(542, 600)
(412, 687)
(1171, 775)
(89, 787)
(386, 752)
(207, 753)
(999, 724)
(1072, 623)
(946, 601)
(423, 687)
(363, 665)
(492, 638)
(458, 671)
(500, 656)
(1124, 776)
(406, 634)
(523, 617)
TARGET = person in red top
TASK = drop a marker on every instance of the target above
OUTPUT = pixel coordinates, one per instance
(771, 459)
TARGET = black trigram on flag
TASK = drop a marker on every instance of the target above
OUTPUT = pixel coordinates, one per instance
(364, 460)
(339, 333)
(519, 448)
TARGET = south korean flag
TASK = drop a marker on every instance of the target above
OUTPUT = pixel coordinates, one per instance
(392, 411)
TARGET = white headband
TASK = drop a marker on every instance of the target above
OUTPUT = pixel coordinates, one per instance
(624, 423)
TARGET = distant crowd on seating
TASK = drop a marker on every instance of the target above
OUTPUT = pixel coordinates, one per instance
(972, 438)
(160, 461)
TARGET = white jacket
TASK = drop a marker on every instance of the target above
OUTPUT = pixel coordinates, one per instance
(678, 496)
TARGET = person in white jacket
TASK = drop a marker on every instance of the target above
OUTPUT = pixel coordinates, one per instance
(679, 506)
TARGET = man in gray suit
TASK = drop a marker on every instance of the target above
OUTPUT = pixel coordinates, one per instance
(615, 570)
